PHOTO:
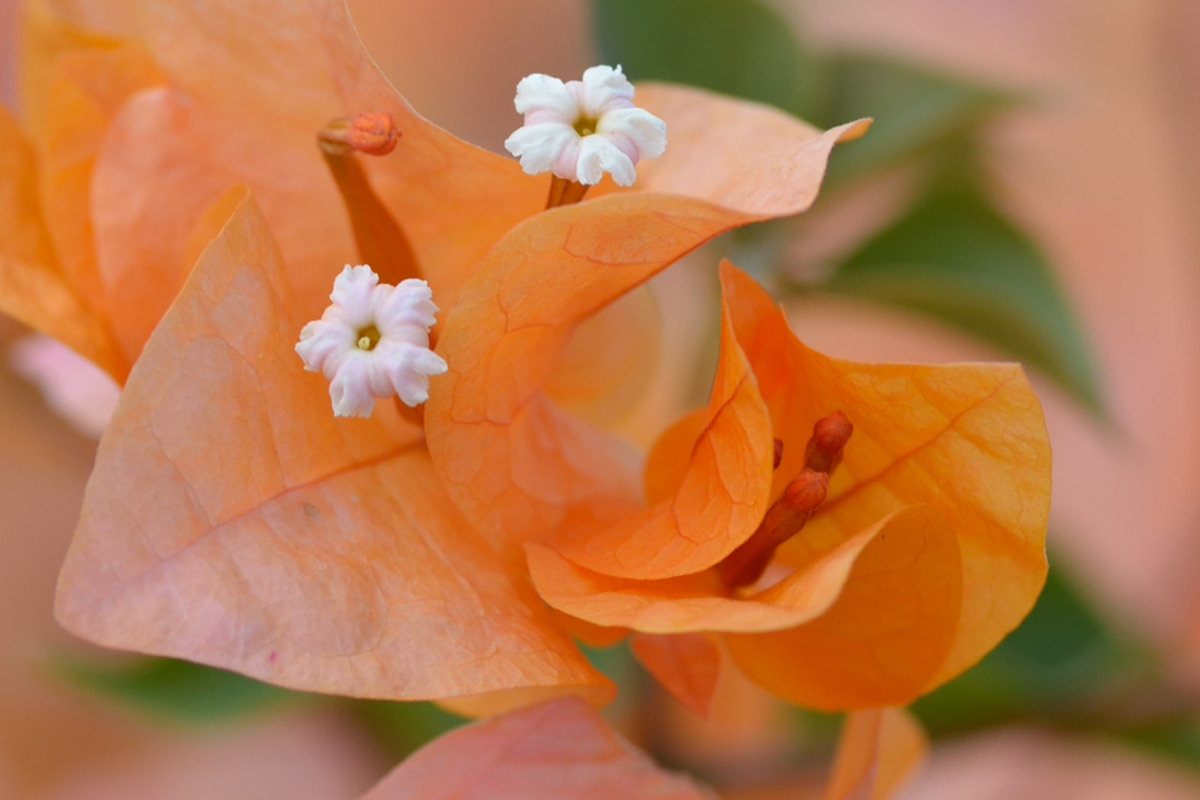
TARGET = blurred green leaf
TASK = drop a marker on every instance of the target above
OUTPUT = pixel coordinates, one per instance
(1176, 737)
(954, 257)
(175, 690)
(737, 47)
(915, 110)
(1060, 663)
(402, 728)
(616, 662)
(183, 692)
(618, 665)
(746, 49)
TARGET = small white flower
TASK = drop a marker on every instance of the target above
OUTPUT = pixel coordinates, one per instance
(582, 129)
(373, 342)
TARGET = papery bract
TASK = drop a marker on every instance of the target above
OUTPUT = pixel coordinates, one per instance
(138, 147)
(33, 285)
(230, 519)
(561, 750)
(928, 550)
(511, 459)
(878, 751)
(687, 665)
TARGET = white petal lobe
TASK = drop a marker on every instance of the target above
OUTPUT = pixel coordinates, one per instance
(540, 91)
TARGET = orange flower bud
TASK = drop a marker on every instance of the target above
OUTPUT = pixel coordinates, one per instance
(373, 134)
(824, 450)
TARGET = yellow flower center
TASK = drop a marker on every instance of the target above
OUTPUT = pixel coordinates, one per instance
(368, 337)
(586, 126)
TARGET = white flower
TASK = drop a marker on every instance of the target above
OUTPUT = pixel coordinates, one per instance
(582, 129)
(373, 342)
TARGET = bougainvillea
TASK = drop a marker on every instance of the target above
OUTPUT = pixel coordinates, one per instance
(852, 535)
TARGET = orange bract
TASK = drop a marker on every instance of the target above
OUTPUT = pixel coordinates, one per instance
(137, 142)
(89, 88)
(687, 665)
(230, 518)
(553, 751)
(33, 285)
(563, 749)
(513, 461)
(928, 550)
(879, 750)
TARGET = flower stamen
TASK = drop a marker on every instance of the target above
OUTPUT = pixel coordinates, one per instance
(802, 497)
(368, 337)
(586, 126)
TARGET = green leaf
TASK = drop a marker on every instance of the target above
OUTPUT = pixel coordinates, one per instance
(1175, 737)
(954, 257)
(744, 48)
(175, 690)
(737, 47)
(915, 110)
(402, 728)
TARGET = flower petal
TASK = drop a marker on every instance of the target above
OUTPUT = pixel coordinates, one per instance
(513, 462)
(408, 368)
(355, 386)
(352, 290)
(737, 153)
(547, 94)
(720, 497)
(553, 751)
(646, 132)
(969, 439)
(293, 547)
(599, 154)
(52, 32)
(86, 90)
(545, 147)
(33, 288)
(687, 665)
(886, 636)
(324, 345)
(611, 360)
(153, 173)
(696, 603)
(878, 751)
(406, 311)
(242, 109)
(605, 89)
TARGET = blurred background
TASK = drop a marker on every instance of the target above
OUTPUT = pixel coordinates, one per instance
(1030, 191)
